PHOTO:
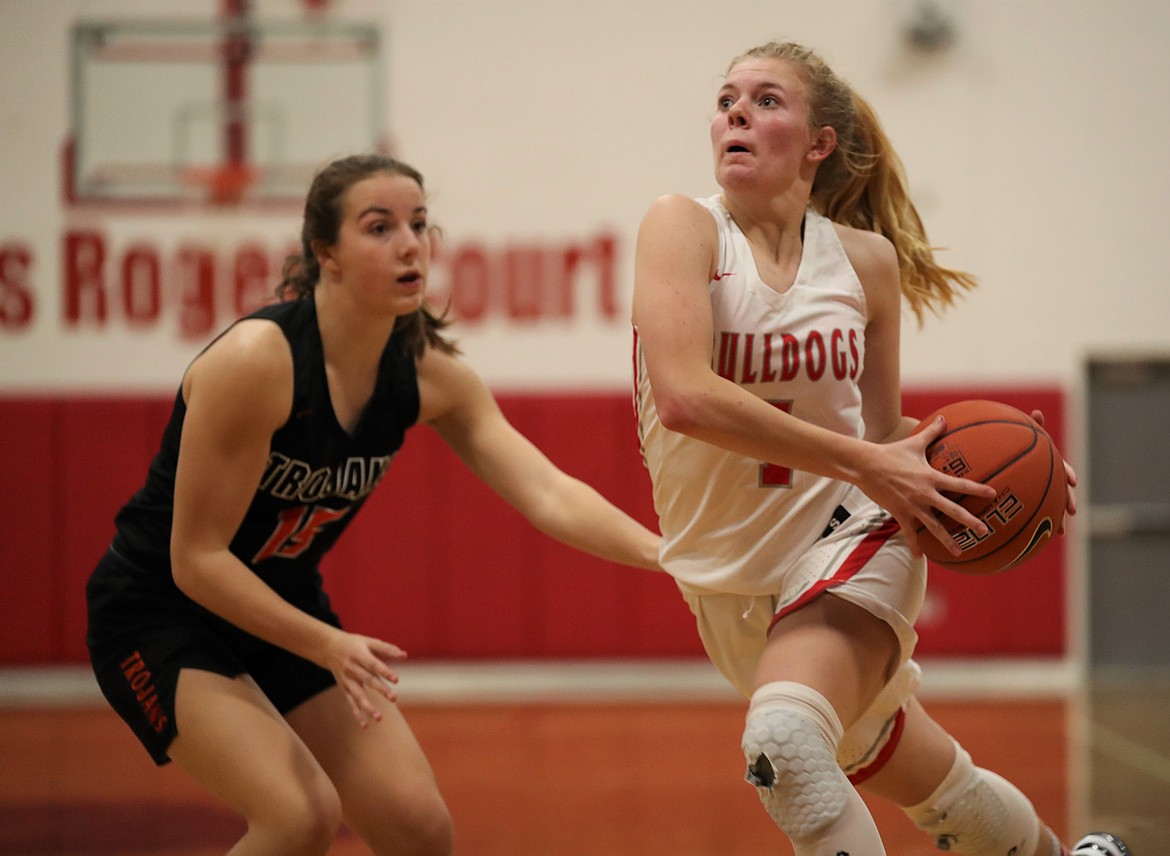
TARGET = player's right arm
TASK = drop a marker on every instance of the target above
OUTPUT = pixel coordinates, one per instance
(238, 393)
(676, 254)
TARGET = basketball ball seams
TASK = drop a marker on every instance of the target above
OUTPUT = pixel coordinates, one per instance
(999, 445)
(972, 475)
(1040, 534)
(1038, 511)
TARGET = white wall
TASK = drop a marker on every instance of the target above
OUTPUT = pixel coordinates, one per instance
(1034, 147)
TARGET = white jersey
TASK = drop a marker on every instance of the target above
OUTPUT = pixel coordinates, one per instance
(730, 523)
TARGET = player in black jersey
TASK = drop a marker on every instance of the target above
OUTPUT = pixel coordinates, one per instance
(209, 630)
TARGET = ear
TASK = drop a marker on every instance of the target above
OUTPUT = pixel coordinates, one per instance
(324, 254)
(823, 144)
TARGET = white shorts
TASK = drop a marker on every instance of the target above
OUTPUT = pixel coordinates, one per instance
(866, 561)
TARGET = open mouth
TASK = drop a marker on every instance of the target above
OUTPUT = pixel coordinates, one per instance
(413, 276)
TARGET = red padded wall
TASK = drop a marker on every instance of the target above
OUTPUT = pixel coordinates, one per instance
(436, 562)
(29, 558)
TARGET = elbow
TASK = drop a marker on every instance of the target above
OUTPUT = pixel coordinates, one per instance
(677, 413)
(183, 576)
(187, 573)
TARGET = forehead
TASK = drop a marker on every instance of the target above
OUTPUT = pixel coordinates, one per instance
(387, 190)
(764, 71)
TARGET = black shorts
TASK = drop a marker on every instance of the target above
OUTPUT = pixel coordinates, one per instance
(142, 633)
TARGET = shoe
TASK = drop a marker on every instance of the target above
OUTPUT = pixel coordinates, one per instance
(1100, 844)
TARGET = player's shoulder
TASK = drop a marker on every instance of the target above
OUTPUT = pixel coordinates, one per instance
(252, 357)
(676, 208)
(257, 343)
(675, 217)
(864, 242)
(868, 252)
(444, 381)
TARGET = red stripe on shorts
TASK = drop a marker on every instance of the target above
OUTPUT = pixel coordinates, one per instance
(853, 563)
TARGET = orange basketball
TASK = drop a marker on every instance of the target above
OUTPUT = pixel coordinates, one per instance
(998, 445)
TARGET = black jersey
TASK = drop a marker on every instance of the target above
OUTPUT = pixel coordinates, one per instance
(317, 478)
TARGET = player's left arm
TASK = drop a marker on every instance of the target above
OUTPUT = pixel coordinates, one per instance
(876, 264)
(910, 489)
(457, 404)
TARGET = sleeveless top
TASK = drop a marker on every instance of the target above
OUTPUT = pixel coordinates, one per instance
(734, 524)
(317, 478)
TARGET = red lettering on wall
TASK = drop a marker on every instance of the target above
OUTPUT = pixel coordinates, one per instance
(16, 295)
(85, 289)
(469, 287)
(523, 282)
(204, 288)
(195, 271)
(141, 285)
(200, 288)
(528, 282)
(251, 283)
(605, 257)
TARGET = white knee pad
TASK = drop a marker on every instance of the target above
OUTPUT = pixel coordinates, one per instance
(790, 744)
(974, 812)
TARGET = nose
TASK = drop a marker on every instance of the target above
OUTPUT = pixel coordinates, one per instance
(408, 243)
(737, 114)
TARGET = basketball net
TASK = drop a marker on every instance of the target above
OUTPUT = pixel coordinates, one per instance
(225, 184)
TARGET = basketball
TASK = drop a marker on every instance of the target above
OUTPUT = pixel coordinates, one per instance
(998, 445)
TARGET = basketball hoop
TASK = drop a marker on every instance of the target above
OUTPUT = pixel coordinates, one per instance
(225, 184)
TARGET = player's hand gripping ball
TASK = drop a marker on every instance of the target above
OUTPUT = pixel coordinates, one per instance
(998, 445)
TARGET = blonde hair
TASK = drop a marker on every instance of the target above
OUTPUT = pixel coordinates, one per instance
(862, 183)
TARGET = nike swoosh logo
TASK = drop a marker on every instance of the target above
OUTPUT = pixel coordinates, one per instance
(720, 276)
(1042, 532)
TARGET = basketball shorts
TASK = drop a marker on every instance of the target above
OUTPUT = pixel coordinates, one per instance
(863, 559)
(141, 636)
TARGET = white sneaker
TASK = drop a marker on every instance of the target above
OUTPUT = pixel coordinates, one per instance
(1100, 844)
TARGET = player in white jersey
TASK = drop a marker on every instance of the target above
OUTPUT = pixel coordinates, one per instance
(788, 488)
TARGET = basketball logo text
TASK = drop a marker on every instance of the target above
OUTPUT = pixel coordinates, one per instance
(1006, 506)
(949, 460)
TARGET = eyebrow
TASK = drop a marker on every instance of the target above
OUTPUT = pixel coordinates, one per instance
(767, 84)
(379, 209)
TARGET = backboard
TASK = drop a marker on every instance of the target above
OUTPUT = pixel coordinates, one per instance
(236, 110)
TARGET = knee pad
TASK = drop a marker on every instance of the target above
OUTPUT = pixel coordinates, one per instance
(790, 744)
(974, 812)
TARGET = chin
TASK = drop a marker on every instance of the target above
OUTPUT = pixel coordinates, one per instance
(408, 305)
(734, 175)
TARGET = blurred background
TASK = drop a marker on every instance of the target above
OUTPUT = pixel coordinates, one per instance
(155, 156)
